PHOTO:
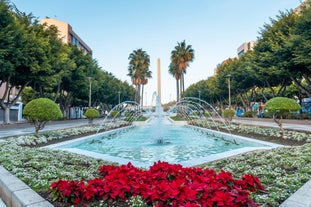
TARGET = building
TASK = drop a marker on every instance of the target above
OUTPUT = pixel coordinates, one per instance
(223, 63)
(298, 9)
(67, 35)
(246, 46)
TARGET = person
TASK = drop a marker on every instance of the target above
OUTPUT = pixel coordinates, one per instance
(255, 107)
(260, 109)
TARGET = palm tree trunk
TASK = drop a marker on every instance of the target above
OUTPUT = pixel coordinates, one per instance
(177, 90)
(138, 94)
(180, 87)
(183, 84)
(142, 96)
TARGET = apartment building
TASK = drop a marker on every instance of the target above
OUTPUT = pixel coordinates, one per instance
(67, 34)
(246, 46)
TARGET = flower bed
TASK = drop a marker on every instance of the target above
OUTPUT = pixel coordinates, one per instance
(282, 171)
(264, 133)
(163, 184)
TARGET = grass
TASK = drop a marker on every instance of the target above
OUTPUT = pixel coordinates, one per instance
(282, 171)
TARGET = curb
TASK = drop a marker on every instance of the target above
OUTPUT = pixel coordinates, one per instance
(16, 193)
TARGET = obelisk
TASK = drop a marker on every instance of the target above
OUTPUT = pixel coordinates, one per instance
(159, 79)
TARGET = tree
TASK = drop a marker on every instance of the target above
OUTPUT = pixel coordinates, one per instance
(300, 42)
(181, 56)
(23, 56)
(273, 56)
(91, 114)
(173, 70)
(280, 105)
(40, 111)
(139, 71)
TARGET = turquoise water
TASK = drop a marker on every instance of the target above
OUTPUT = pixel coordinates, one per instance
(141, 144)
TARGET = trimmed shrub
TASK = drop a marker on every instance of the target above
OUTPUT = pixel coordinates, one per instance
(114, 113)
(249, 114)
(228, 113)
(91, 114)
(40, 111)
(281, 106)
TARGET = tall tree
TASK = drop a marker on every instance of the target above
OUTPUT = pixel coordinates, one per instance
(139, 71)
(273, 57)
(299, 43)
(173, 70)
(182, 55)
(23, 54)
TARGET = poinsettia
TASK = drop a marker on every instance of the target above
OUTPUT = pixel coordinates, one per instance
(162, 185)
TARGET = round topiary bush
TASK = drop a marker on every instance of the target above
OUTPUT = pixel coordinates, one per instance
(40, 111)
(228, 113)
(280, 107)
(91, 114)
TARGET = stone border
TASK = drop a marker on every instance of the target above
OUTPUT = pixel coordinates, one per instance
(16, 193)
(301, 198)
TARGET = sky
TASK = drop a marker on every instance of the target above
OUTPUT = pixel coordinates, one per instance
(115, 28)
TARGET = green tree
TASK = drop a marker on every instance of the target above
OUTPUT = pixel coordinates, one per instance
(299, 43)
(173, 70)
(40, 111)
(139, 71)
(23, 54)
(91, 114)
(181, 56)
(281, 105)
(273, 56)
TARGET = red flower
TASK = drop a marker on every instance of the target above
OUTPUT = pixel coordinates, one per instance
(163, 184)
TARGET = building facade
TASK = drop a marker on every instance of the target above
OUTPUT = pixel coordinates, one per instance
(67, 35)
(246, 46)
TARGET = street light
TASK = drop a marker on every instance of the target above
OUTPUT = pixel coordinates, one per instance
(90, 91)
(229, 90)
(119, 92)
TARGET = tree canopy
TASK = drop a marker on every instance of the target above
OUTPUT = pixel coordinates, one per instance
(279, 65)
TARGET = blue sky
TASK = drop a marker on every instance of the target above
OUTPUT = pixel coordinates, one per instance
(114, 28)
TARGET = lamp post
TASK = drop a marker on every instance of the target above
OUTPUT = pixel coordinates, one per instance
(199, 97)
(90, 91)
(119, 92)
(229, 90)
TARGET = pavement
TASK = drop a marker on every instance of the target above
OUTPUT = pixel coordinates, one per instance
(22, 128)
(301, 198)
(290, 124)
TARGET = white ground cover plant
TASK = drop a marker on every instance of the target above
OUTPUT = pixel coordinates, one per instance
(282, 171)
(275, 132)
(44, 137)
(40, 167)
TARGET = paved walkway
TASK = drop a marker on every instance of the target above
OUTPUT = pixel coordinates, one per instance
(299, 125)
(302, 198)
(14, 129)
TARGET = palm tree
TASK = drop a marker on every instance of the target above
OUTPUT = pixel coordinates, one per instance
(139, 72)
(181, 56)
(173, 70)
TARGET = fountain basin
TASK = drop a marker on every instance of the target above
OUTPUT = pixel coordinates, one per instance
(187, 145)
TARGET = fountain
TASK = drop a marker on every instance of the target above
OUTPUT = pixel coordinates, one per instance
(158, 139)
(120, 115)
(199, 113)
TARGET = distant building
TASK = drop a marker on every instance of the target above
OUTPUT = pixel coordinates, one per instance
(67, 34)
(298, 9)
(223, 63)
(246, 46)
